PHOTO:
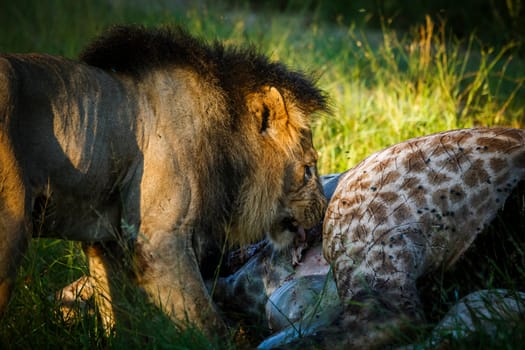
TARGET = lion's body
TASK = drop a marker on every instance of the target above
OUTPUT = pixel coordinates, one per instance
(172, 157)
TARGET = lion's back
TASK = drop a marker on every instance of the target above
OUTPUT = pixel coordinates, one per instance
(71, 130)
(6, 87)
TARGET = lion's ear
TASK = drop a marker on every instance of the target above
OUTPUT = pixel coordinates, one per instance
(268, 107)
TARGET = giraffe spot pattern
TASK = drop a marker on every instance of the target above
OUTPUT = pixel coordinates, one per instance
(413, 207)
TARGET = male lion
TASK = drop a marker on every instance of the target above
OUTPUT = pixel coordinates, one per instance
(160, 142)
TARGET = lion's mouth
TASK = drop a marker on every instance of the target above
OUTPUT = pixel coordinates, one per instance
(298, 239)
(287, 231)
(293, 226)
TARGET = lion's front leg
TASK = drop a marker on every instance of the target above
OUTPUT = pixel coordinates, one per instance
(101, 275)
(168, 271)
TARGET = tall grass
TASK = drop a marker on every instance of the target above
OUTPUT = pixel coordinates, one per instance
(388, 88)
(385, 87)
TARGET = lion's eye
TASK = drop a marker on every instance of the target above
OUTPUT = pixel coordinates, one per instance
(308, 173)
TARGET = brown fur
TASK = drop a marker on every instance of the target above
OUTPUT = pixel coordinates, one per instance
(159, 142)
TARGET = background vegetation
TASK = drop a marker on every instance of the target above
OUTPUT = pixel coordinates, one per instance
(393, 69)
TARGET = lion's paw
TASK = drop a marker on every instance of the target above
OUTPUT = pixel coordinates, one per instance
(74, 298)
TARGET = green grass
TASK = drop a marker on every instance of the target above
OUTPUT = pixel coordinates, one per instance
(385, 87)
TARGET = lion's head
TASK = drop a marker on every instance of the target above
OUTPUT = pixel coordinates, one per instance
(283, 194)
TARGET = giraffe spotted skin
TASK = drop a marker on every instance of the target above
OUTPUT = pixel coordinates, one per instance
(409, 209)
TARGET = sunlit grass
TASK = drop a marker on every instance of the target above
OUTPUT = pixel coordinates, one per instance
(403, 87)
(384, 87)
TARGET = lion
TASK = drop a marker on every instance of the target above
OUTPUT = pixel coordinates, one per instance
(155, 148)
